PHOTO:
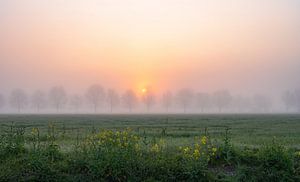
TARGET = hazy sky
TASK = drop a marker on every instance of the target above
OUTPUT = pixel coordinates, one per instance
(243, 45)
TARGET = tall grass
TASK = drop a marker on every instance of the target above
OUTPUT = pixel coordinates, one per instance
(124, 155)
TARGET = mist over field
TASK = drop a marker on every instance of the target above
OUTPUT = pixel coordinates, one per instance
(149, 56)
(150, 90)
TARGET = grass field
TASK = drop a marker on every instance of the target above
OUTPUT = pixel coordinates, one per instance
(150, 148)
(249, 130)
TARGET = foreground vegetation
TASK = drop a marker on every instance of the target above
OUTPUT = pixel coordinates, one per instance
(37, 152)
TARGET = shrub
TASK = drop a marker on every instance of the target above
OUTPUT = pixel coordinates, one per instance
(273, 163)
(12, 142)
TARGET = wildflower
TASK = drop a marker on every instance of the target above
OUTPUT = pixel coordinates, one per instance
(204, 140)
(214, 150)
(162, 142)
(137, 147)
(196, 154)
(34, 131)
(186, 150)
(197, 146)
(136, 138)
(155, 148)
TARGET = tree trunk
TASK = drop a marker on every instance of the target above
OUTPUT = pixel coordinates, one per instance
(95, 109)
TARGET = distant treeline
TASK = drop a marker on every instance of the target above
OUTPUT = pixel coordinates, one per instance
(96, 99)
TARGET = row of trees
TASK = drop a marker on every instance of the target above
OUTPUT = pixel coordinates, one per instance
(291, 100)
(185, 100)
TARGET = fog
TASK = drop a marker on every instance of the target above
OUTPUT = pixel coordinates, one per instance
(138, 56)
(99, 100)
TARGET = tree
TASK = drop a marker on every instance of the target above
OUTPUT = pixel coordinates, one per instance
(76, 102)
(129, 100)
(2, 101)
(261, 103)
(203, 101)
(95, 95)
(38, 100)
(222, 98)
(148, 99)
(297, 99)
(167, 100)
(18, 99)
(241, 103)
(113, 99)
(288, 98)
(185, 98)
(57, 97)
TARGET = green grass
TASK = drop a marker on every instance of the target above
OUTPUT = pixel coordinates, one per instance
(154, 148)
(245, 130)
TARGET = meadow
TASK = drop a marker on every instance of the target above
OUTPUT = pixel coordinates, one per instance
(228, 147)
(245, 130)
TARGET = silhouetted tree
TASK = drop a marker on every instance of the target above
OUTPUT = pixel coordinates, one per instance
(113, 99)
(297, 99)
(129, 100)
(148, 99)
(262, 103)
(241, 103)
(288, 99)
(184, 98)
(18, 99)
(39, 100)
(2, 101)
(76, 102)
(222, 98)
(57, 97)
(203, 101)
(167, 100)
(95, 96)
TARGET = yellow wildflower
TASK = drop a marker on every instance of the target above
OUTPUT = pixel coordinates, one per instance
(137, 147)
(186, 150)
(204, 140)
(34, 131)
(196, 154)
(136, 138)
(214, 150)
(155, 148)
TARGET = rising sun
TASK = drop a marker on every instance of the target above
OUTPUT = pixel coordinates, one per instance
(144, 90)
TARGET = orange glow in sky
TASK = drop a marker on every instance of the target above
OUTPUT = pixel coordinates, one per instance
(137, 44)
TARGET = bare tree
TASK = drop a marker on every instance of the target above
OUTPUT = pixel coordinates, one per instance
(39, 100)
(185, 98)
(261, 103)
(167, 100)
(222, 98)
(203, 101)
(113, 99)
(288, 98)
(2, 101)
(95, 95)
(57, 97)
(76, 102)
(297, 99)
(148, 99)
(241, 103)
(18, 99)
(129, 100)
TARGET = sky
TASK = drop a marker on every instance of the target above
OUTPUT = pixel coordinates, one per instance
(247, 46)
